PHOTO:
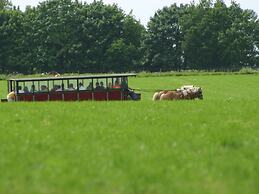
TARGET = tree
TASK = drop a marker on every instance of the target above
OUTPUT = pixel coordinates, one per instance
(68, 36)
(5, 4)
(219, 37)
(10, 40)
(163, 39)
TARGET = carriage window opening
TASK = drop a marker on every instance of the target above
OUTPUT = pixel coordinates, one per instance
(19, 88)
(38, 86)
(12, 86)
(71, 85)
(116, 83)
(56, 86)
(89, 85)
(100, 85)
(33, 88)
(124, 83)
(27, 87)
(107, 83)
(43, 86)
(81, 85)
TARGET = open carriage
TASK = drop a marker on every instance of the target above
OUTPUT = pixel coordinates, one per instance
(73, 88)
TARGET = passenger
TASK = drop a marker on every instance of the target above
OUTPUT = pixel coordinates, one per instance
(20, 91)
(109, 85)
(26, 90)
(70, 87)
(98, 87)
(55, 87)
(124, 84)
(59, 89)
(102, 86)
(32, 89)
(90, 86)
(117, 85)
(81, 86)
(43, 88)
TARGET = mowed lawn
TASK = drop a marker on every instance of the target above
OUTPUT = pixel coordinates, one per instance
(145, 147)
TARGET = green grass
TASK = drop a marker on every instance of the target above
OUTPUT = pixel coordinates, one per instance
(146, 147)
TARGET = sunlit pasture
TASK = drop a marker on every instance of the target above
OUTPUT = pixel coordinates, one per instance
(144, 147)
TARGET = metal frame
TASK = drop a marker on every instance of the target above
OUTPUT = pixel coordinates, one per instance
(13, 84)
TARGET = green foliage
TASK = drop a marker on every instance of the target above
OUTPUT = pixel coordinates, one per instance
(226, 36)
(68, 36)
(207, 36)
(208, 146)
(71, 36)
(11, 34)
(163, 39)
(5, 4)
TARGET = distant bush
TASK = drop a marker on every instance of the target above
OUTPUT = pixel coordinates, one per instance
(248, 70)
(197, 73)
(3, 77)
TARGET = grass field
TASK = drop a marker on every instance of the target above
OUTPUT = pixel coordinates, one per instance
(145, 147)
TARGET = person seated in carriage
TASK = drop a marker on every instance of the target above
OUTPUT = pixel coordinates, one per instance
(70, 87)
(26, 90)
(81, 86)
(20, 90)
(116, 85)
(90, 86)
(32, 89)
(44, 88)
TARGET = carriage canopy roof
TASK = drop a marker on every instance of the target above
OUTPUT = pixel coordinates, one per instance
(74, 77)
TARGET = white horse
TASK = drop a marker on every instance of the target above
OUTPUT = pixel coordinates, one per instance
(11, 97)
(185, 92)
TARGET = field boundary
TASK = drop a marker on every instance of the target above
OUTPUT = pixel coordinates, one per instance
(197, 73)
(244, 71)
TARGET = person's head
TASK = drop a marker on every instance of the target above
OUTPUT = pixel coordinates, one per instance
(33, 87)
(101, 83)
(97, 84)
(70, 85)
(19, 87)
(81, 84)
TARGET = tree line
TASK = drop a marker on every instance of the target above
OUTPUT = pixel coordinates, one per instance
(71, 36)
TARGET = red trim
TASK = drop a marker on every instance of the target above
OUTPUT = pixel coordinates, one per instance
(115, 95)
(41, 97)
(85, 95)
(70, 96)
(55, 96)
(25, 97)
(100, 96)
(74, 96)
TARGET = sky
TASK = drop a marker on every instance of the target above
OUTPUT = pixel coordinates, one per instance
(144, 9)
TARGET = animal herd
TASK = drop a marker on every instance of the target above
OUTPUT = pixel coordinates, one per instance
(189, 92)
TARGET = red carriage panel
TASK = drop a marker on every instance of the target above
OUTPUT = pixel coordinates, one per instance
(21, 97)
(56, 96)
(115, 95)
(85, 95)
(125, 95)
(70, 96)
(100, 96)
(41, 96)
(25, 97)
